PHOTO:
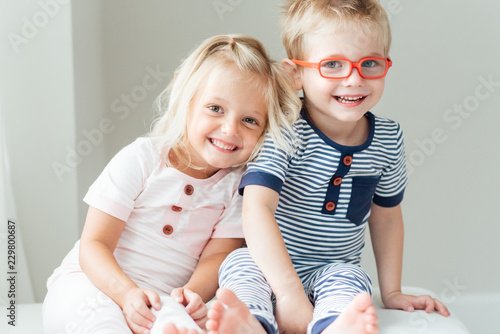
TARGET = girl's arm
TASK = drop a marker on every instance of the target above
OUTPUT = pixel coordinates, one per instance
(387, 235)
(99, 239)
(204, 282)
(267, 247)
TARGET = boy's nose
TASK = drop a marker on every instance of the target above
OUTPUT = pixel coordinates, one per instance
(354, 79)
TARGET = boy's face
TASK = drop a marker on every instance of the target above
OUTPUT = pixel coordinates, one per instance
(342, 100)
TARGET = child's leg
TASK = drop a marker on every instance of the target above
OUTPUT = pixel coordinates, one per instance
(335, 286)
(240, 274)
(74, 305)
(174, 313)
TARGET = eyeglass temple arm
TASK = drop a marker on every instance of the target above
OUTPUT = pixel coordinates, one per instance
(305, 63)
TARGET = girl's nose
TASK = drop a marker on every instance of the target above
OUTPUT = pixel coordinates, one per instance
(230, 127)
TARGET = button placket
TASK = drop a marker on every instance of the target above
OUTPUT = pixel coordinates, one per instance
(330, 203)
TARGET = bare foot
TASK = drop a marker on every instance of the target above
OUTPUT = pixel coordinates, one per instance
(233, 318)
(171, 329)
(357, 318)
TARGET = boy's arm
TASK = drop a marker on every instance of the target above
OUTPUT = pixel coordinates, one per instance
(268, 250)
(387, 235)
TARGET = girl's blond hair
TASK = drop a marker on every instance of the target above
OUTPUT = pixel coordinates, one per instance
(169, 132)
(302, 17)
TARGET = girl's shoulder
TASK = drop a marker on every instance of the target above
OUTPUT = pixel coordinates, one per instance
(138, 156)
(141, 149)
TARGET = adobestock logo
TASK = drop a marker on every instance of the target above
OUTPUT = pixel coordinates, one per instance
(454, 117)
(30, 27)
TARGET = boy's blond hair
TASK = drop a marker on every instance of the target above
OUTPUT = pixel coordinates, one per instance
(169, 132)
(302, 17)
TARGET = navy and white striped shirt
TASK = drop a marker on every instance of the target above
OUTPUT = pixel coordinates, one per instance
(326, 189)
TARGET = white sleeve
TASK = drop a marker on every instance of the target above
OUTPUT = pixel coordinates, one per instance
(122, 180)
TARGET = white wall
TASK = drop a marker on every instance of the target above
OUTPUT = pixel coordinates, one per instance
(37, 105)
(440, 50)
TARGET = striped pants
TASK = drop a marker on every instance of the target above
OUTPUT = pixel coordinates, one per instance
(330, 288)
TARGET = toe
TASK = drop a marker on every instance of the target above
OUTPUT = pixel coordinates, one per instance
(227, 297)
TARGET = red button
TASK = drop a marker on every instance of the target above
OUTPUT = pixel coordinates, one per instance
(337, 181)
(329, 206)
(347, 160)
(188, 190)
(176, 208)
(168, 229)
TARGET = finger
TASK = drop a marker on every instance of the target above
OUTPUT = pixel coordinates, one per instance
(136, 322)
(142, 314)
(442, 309)
(202, 322)
(429, 305)
(178, 295)
(201, 312)
(194, 301)
(153, 298)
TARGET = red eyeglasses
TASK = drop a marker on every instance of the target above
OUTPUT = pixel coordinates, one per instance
(340, 68)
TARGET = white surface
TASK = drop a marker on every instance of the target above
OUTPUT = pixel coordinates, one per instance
(418, 322)
(29, 320)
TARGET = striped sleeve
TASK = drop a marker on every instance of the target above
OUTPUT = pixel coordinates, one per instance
(268, 170)
(391, 187)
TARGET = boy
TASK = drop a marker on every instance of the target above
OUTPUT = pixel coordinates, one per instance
(304, 216)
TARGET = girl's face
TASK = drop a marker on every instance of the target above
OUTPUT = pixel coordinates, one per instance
(227, 117)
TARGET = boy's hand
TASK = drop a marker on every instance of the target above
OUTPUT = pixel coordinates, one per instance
(192, 303)
(136, 309)
(398, 300)
(293, 313)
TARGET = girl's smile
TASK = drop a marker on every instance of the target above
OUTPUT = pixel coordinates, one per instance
(227, 118)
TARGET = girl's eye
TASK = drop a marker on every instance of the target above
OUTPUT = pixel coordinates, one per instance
(249, 120)
(216, 109)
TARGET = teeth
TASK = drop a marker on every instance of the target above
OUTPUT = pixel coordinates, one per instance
(348, 99)
(222, 145)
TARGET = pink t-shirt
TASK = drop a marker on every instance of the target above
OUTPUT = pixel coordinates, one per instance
(169, 215)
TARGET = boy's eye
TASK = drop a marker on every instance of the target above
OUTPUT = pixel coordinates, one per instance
(331, 64)
(249, 120)
(369, 63)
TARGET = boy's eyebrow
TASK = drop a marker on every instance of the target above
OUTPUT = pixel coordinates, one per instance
(337, 55)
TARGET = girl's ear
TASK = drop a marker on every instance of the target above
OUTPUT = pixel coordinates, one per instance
(292, 69)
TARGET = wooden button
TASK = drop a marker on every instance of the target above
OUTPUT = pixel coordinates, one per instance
(347, 160)
(176, 208)
(168, 229)
(189, 190)
(337, 181)
(329, 206)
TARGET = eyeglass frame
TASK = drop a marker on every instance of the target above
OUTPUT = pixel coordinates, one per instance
(356, 65)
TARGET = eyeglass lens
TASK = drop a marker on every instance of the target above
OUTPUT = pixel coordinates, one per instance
(338, 68)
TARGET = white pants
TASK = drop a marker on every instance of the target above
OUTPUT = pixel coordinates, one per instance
(73, 305)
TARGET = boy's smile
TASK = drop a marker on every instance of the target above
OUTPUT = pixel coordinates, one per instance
(334, 104)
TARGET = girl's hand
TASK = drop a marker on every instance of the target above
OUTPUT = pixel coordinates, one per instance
(136, 304)
(400, 301)
(192, 303)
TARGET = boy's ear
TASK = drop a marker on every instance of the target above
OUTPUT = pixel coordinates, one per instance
(294, 73)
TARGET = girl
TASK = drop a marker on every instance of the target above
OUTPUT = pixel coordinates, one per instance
(165, 212)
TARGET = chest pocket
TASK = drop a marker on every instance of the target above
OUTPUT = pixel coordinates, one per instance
(363, 189)
(199, 230)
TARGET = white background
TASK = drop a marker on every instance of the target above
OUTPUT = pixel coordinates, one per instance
(66, 69)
